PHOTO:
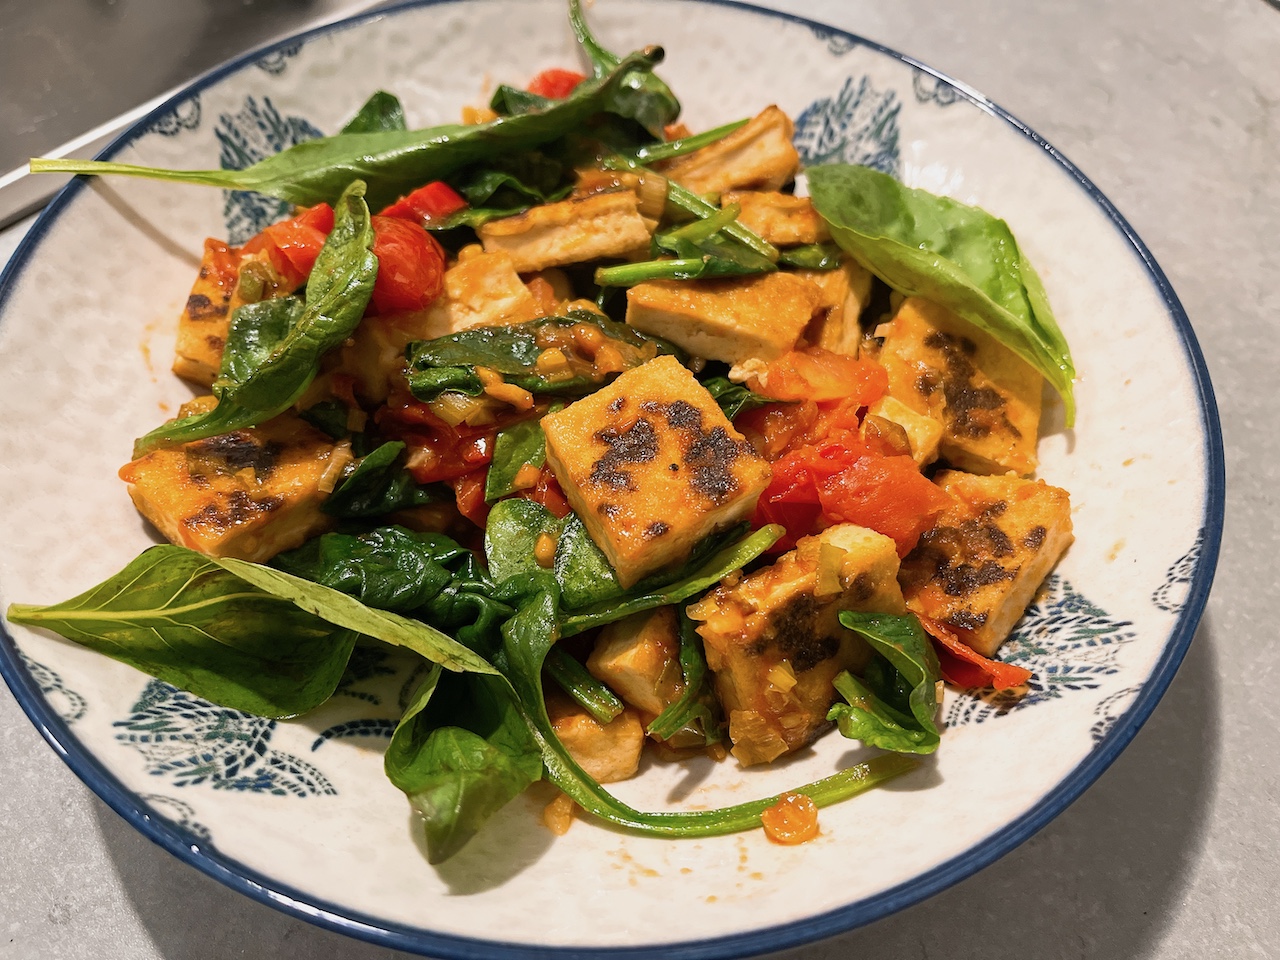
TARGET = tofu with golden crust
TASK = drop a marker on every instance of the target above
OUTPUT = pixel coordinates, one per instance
(247, 494)
(986, 396)
(638, 657)
(608, 751)
(569, 231)
(843, 293)
(744, 318)
(206, 316)
(984, 559)
(779, 218)
(652, 466)
(758, 156)
(775, 643)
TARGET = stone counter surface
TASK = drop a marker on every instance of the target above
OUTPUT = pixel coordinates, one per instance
(1172, 107)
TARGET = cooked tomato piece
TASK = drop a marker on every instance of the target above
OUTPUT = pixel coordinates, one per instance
(548, 493)
(293, 245)
(435, 201)
(793, 819)
(469, 489)
(965, 667)
(411, 266)
(821, 375)
(555, 84)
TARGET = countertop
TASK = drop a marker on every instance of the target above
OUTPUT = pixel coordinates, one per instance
(1172, 107)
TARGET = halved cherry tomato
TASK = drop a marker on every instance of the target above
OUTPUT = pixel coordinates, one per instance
(437, 451)
(555, 84)
(469, 490)
(293, 245)
(411, 266)
(966, 667)
(435, 201)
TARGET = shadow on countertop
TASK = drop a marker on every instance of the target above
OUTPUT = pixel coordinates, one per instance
(1102, 880)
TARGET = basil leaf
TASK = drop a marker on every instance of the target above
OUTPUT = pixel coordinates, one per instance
(382, 111)
(955, 255)
(893, 706)
(517, 446)
(266, 368)
(379, 485)
(181, 617)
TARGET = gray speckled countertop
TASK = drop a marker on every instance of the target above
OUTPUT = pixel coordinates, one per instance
(1172, 107)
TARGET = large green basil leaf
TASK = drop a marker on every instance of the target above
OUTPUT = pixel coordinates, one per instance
(266, 369)
(956, 255)
(181, 617)
(894, 704)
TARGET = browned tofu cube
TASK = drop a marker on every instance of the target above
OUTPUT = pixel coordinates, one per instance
(608, 751)
(570, 231)
(639, 659)
(758, 156)
(652, 466)
(986, 396)
(480, 290)
(843, 294)
(247, 494)
(981, 564)
(922, 433)
(779, 218)
(748, 318)
(206, 317)
(775, 642)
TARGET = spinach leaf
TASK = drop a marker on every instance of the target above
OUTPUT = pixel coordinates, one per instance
(697, 707)
(516, 180)
(460, 753)
(734, 398)
(811, 256)
(510, 533)
(956, 255)
(584, 573)
(267, 367)
(517, 446)
(377, 486)
(894, 704)
(509, 101)
(183, 618)
(395, 162)
(448, 363)
(328, 416)
(575, 680)
(382, 111)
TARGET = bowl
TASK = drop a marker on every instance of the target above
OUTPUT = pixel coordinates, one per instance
(298, 814)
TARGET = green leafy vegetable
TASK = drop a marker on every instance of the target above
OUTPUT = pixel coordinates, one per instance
(377, 486)
(581, 568)
(894, 704)
(181, 617)
(812, 256)
(574, 679)
(734, 398)
(956, 255)
(696, 708)
(271, 357)
(510, 534)
(517, 446)
(382, 111)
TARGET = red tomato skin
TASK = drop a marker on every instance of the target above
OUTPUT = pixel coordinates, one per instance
(821, 375)
(555, 84)
(469, 490)
(435, 201)
(411, 266)
(292, 245)
(548, 493)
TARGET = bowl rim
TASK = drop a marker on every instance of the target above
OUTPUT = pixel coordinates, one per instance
(258, 886)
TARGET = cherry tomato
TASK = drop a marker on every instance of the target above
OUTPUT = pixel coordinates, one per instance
(292, 245)
(965, 667)
(555, 84)
(411, 266)
(548, 493)
(469, 489)
(435, 201)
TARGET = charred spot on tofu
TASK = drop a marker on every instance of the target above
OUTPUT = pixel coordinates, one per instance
(247, 494)
(758, 156)
(986, 397)
(206, 317)
(613, 452)
(775, 643)
(980, 565)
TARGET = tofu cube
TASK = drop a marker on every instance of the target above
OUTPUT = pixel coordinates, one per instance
(480, 290)
(652, 466)
(639, 659)
(206, 317)
(779, 218)
(775, 643)
(758, 156)
(247, 494)
(758, 317)
(986, 396)
(608, 751)
(843, 294)
(569, 231)
(923, 433)
(984, 559)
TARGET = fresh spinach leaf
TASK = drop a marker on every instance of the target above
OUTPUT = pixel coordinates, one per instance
(382, 111)
(894, 704)
(510, 534)
(377, 486)
(575, 680)
(956, 255)
(696, 708)
(583, 571)
(329, 417)
(811, 256)
(517, 446)
(266, 367)
(181, 617)
(734, 398)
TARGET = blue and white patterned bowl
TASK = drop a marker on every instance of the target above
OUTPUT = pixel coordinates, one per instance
(298, 814)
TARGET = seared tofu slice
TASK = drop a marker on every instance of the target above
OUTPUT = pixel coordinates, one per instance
(843, 294)
(779, 218)
(206, 317)
(652, 466)
(247, 494)
(608, 751)
(480, 290)
(639, 659)
(758, 156)
(747, 318)
(923, 433)
(986, 396)
(775, 643)
(569, 231)
(983, 561)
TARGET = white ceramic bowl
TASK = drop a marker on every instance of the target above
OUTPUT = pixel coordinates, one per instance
(298, 814)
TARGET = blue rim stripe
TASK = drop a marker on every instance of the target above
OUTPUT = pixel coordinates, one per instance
(296, 903)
